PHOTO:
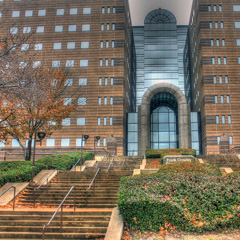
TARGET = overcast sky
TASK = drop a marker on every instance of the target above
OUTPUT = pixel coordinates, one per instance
(180, 8)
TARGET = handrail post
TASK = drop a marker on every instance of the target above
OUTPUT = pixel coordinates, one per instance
(43, 234)
(57, 175)
(34, 198)
(86, 196)
(74, 199)
(61, 218)
(14, 193)
(47, 186)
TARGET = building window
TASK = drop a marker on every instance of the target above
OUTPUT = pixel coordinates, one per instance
(229, 119)
(98, 143)
(221, 25)
(103, 10)
(104, 121)
(99, 101)
(217, 43)
(106, 62)
(220, 79)
(15, 143)
(36, 64)
(56, 63)
(114, 10)
(68, 83)
(71, 45)
(112, 62)
(112, 81)
(106, 81)
(28, 13)
(70, 63)
(102, 27)
(104, 142)
(113, 26)
(65, 142)
(81, 121)
(218, 140)
(212, 42)
(15, 14)
(60, 12)
(215, 8)
(111, 121)
(226, 79)
(87, 10)
(59, 28)
(100, 81)
(111, 100)
(22, 65)
(38, 47)
(72, 28)
(85, 27)
(84, 63)
(73, 11)
(0, 14)
(79, 142)
(84, 45)
(108, 10)
(41, 13)
(228, 99)
(107, 44)
(236, 8)
(99, 121)
(219, 60)
(83, 81)
(237, 25)
(66, 122)
(210, 25)
(57, 46)
(216, 25)
(222, 99)
(67, 101)
(101, 44)
(223, 43)
(25, 47)
(220, 8)
(225, 60)
(40, 29)
(231, 140)
(108, 26)
(209, 8)
(82, 101)
(50, 142)
(223, 119)
(100, 62)
(216, 99)
(113, 44)
(217, 119)
(27, 29)
(214, 79)
(13, 30)
(105, 101)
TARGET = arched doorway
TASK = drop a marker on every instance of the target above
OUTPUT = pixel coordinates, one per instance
(164, 121)
(159, 99)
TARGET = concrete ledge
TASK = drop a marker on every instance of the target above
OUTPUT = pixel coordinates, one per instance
(136, 172)
(144, 163)
(200, 160)
(8, 196)
(225, 170)
(43, 175)
(89, 163)
(115, 227)
(79, 169)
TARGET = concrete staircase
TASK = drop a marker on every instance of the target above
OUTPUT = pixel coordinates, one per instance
(91, 218)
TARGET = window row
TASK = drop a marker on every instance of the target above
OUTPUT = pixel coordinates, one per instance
(107, 26)
(58, 28)
(59, 12)
(230, 140)
(105, 81)
(220, 79)
(104, 101)
(229, 119)
(106, 61)
(216, 25)
(104, 121)
(107, 44)
(220, 60)
(221, 99)
(108, 10)
(217, 42)
(215, 8)
(65, 142)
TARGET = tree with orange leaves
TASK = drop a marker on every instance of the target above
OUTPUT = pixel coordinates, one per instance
(32, 97)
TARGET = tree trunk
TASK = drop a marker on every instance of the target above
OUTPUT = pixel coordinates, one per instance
(28, 150)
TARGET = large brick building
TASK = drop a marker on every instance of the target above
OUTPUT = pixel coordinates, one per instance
(160, 85)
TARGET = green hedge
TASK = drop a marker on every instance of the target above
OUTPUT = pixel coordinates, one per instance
(160, 153)
(197, 199)
(22, 171)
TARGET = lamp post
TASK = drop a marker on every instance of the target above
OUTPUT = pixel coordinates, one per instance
(41, 135)
(96, 138)
(84, 138)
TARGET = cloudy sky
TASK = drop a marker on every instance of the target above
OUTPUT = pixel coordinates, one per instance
(180, 8)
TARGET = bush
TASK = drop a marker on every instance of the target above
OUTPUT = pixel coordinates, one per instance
(22, 171)
(160, 153)
(195, 199)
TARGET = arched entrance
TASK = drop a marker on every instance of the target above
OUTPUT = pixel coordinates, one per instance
(164, 119)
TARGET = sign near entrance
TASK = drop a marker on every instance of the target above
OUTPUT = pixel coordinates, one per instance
(178, 159)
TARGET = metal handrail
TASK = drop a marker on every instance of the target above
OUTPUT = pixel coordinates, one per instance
(60, 206)
(14, 194)
(75, 165)
(46, 179)
(108, 156)
(97, 164)
(92, 184)
(124, 161)
(108, 170)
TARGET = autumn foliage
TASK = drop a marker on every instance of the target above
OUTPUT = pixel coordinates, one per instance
(181, 197)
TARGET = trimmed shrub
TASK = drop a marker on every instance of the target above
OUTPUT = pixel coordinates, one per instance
(22, 171)
(184, 197)
(160, 153)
